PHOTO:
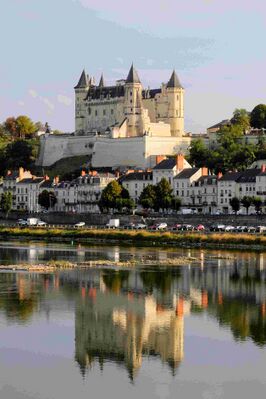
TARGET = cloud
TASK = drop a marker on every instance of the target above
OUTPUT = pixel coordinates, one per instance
(33, 93)
(21, 103)
(48, 103)
(64, 100)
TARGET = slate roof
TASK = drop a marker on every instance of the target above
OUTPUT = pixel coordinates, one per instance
(174, 81)
(224, 122)
(37, 180)
(249, 176)
(187, 173)
(47, 184)
(83, 81)
(96, 92)
(101, 83)
(132, 76)
(146, 176)
(168, 163)
(230, 176)
(206, 180)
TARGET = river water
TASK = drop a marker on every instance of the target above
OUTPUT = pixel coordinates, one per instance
(196, 331)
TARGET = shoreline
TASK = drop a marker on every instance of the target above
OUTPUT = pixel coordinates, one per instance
(242, 241)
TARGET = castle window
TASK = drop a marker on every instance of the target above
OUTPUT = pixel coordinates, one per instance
(104, 112)
(89, 111)
(131, 93)
(112, 111)
(95, 112)
(130, 101)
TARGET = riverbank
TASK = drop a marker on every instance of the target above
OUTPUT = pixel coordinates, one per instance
(143, 238)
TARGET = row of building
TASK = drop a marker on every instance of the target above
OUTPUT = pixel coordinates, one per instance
(196, 188)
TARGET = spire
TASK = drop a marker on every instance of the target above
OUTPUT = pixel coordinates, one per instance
(83, 81)
(174, 81)
(101, 83)
(133, 76)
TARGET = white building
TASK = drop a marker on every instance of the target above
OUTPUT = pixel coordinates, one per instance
(183, 182)
(203, 194)
(169, 168)
(135, 182)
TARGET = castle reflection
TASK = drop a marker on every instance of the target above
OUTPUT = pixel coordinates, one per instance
(126, 316)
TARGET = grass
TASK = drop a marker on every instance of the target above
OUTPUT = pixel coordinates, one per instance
(140, 237)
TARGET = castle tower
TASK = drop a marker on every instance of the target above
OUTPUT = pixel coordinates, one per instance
(175, 94)
(80, 93)
(133, 104)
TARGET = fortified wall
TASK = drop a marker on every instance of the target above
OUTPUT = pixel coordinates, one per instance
(105, 151)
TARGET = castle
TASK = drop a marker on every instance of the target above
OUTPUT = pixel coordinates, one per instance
(122, 125)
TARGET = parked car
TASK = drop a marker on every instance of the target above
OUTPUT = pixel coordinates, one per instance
(251, 229)
(187, 227)
(32, 221)
(129, 226)
(217, 227)
(200, 227)
(159, 226)
(22, 222)
(229, 228)
(260, 229)
(140, 226)
(41, 223)
(79, 224)
(177, 227)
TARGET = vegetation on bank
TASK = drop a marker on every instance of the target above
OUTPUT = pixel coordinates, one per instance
(137, 237)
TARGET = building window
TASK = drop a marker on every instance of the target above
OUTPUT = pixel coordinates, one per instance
(104, 112)
(96, 112)
(89, 110)
(112, 111)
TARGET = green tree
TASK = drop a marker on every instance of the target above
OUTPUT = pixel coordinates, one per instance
(6, 202)
(198, 153)
(110, 195)
(147, 198)
(176, 203)
(25, 126)
(258, 116)
(164, 196)
(257, 202)
(47, 199)
(235, 204)
(18, 153)
(247, 202)
(241, 117)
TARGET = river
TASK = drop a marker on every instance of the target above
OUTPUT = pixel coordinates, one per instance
(196, 331)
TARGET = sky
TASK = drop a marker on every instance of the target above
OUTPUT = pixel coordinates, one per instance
(216, 46)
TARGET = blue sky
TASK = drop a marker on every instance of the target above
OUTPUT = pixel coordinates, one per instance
(217, 48)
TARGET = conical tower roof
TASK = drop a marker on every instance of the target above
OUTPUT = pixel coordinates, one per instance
(101, 83)
(174, 81)
(133, 76)
(83, 81)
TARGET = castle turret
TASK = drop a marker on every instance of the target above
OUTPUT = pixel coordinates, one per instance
(175, 94)
(133, 103)
(101, 83)
(81, 90)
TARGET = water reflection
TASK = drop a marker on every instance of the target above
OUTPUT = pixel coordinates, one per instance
(124, 316)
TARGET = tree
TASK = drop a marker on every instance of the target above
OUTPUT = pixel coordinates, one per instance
(247, 202)
(10, 126)
(110, 195)
(198, 153)
(47, 199)
(148, 197)
(6, 202)
(235, 204)
(25, 126)
(258, 116)
(164, 196)
(18, 154)
(176, 203)
(241, 117)
(257, 202)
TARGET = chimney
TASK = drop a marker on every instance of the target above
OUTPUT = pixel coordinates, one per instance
(56, 179)
(159, 158)
(83, 173)
(180, 162)
(219, 175)
(263, 168)
(20, 173)
(93, 173)
(46, 177)
(204, 171)
(8, 173)
(117, 174)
